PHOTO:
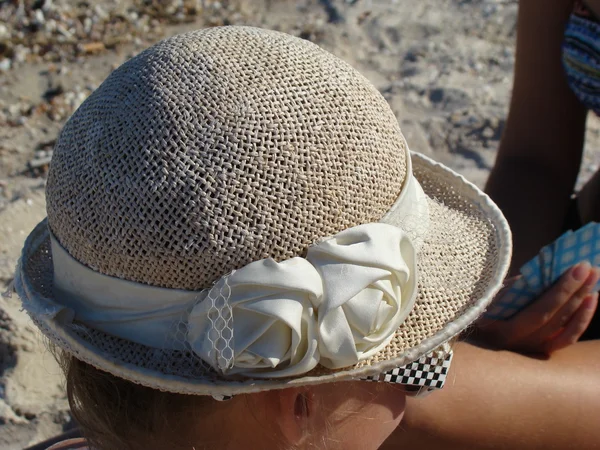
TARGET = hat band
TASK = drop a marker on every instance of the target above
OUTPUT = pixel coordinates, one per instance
(338, 306)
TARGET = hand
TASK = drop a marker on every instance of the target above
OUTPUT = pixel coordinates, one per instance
(555, 320)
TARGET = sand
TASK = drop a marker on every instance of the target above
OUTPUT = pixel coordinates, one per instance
(445, 66)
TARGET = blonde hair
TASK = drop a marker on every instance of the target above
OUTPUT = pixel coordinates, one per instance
(117, 414)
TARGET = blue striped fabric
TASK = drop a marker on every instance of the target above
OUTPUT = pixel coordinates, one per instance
(581, 59)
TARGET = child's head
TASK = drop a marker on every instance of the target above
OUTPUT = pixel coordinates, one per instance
(235, 212)
(118, 414)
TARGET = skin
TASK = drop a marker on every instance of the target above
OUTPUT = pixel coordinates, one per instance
(557, 319)
(500, 399)
(594, 6)
(345, 415)
(541, 149)
(538, 162)
(492, 400)
(503, 400)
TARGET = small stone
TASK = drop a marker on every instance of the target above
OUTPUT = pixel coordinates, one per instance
(87, 25)
(102, 14)
(50, 26)
(64, 31)
(488, 133)
(14, 110)
(489, 10)
(39, 18)
(92, 47)
(20, 53)
(5, 64)
(47, 6)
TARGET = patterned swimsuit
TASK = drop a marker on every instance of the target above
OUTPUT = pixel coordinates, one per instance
(581, 56)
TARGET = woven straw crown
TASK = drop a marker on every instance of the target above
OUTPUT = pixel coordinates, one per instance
(212, 150)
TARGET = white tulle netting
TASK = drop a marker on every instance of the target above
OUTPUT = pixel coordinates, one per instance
(220, 333)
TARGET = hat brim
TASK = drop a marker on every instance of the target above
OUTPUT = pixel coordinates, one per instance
(462, 265)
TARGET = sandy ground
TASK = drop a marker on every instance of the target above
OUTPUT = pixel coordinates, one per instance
(445, 66)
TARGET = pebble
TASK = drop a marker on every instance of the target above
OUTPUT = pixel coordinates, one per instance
(47, 6)
(489, 10)
(488, 133)
(103, 15)
(40, 154)
(20, 53)
(39, 18)
(50, 26)
(55, 31)
(87, 25)
(63, 30)
(5, 64)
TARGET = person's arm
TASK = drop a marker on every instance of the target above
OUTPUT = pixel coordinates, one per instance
(540, 151)
(503, 400)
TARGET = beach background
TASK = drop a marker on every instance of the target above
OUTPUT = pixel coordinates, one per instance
(445, 67)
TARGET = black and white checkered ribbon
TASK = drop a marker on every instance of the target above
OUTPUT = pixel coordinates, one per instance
(428, 372)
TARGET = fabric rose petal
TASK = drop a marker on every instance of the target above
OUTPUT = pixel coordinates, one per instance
(273, 319)
(369, 277)
(340, 305)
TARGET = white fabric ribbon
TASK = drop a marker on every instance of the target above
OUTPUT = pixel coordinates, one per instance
(274, 319)
(369, 278)
(340, 305)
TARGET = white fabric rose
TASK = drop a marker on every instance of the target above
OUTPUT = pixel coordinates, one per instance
(273, 319)
(340, 305)
(369, 275)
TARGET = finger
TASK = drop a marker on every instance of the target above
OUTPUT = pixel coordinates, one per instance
(484, 322)
(597, 272)
(540, 312)
(564, 315)
(575, 327)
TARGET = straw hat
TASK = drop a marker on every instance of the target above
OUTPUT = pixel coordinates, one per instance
(235, 210)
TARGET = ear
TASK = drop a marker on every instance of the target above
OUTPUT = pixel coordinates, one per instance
(296, 410)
